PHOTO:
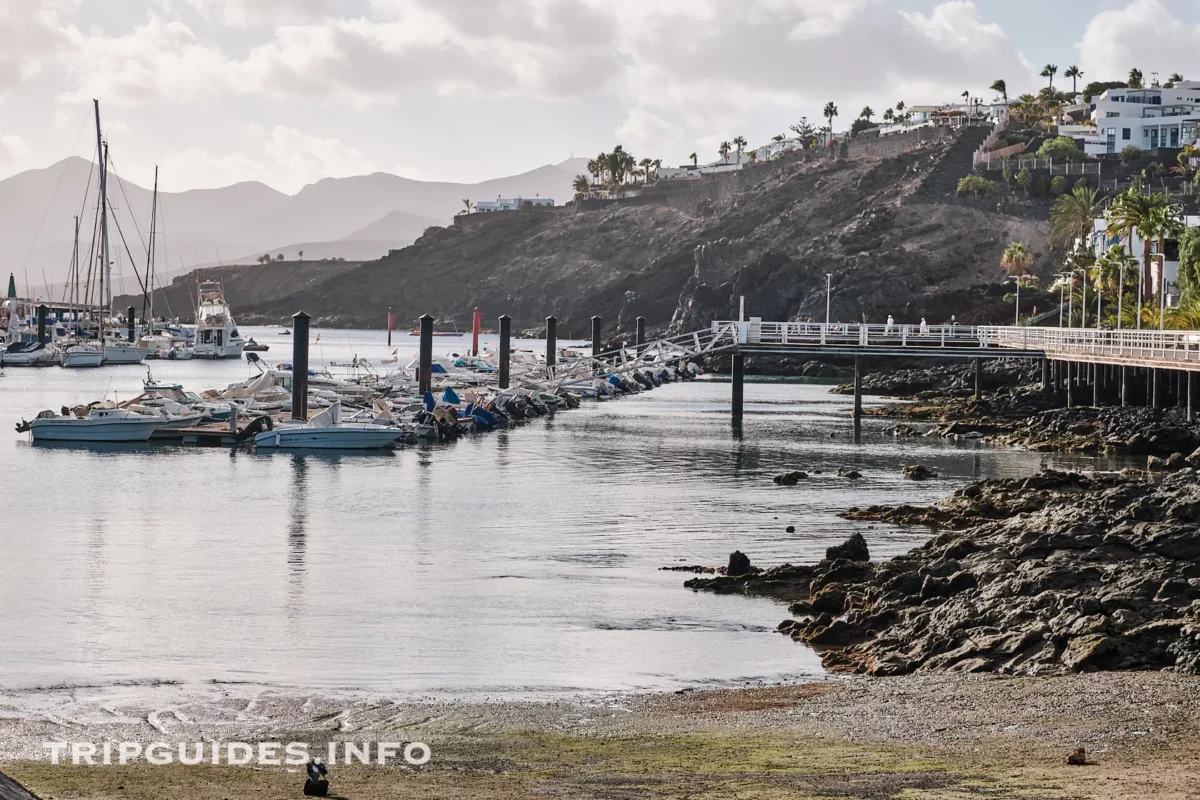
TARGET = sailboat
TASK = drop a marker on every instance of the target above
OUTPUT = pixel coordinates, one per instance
(77, 352)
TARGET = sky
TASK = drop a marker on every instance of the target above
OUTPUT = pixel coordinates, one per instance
(287, 92)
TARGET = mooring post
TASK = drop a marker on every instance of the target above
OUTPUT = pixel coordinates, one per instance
(640, 339)
(505, 348)
(738, 378)
(233, 415)
(129, 312)
(41, 318)
(551, 340)
(300, 365)
(978, 378)
(1045, 376)
(1124, 387)
(475, 332)
(857, 413)
(425, 375)
(597, 326)
(389, 326)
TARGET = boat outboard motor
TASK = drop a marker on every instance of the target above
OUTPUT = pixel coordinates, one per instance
(256, 426)
(643, 380)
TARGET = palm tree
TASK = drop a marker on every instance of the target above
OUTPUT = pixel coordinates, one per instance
(740, 143)
(1173, 81)
(594, 169)
(468, 206)
(889, 116)
(1073, 216)
(1001, 88)
(829, 113)
(1131, 211)
(646, 164)
(695, 159)
(724, 150)
(866, 113)
(966, 95)
(1135, 78)
(1074, 73)
(779, 137)
(1164, 221)
(300, 255)
(581, 185)
(1017, 259)
(1049, 71)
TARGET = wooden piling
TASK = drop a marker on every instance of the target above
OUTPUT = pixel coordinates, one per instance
(130, 319)
(505, 348)
(1124, 387)
(1191, 409)
(640, 339)
(41, 323)
(300, 365)
(1045, 376)
(551, 340)
(1156, 388)
(978, 379)
(425, 374)
(597, 327)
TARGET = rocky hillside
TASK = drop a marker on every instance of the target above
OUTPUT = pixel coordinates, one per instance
(887, 230)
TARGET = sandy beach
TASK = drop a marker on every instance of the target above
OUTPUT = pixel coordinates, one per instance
(913, 737)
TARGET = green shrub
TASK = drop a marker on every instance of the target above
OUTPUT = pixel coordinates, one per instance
(975, 185)
(1025, 179)
(1060, 148)
(1058, 186)
(1131, 153)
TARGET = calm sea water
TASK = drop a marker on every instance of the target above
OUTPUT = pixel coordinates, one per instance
(522, 560)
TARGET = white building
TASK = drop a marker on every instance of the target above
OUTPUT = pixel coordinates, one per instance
(775, 149)
(1101, 242)
(510, 203)
(1148, 118)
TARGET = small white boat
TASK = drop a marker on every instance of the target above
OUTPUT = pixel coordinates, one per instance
(326, 431)
(28, 354)
(82, 355)
(100, 425)
(120, 352)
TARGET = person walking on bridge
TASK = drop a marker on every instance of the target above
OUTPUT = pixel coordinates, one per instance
(890, 324)
(924, 327)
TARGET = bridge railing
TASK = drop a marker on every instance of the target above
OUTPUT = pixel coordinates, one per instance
(853, 334)
(1134, 345)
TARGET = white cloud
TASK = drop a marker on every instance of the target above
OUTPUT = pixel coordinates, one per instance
(245, 12)
(30, 32)
(1143, 34)
(14, 145)
(645, 132)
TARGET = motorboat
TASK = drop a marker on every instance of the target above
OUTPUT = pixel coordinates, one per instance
(99, 424)
(326, 431)
(29, 354)
(119, 351)
(216, 334)
(84, 354)
(252, 346)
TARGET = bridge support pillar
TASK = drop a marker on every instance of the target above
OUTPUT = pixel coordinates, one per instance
(1156, 388)
(1124, 387)
(1190, 377)
(1070, 376)
(737, 377)
(1045, 376)
(978, 378)
(857, 412)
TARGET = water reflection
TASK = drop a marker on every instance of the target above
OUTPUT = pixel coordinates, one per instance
(297, 535)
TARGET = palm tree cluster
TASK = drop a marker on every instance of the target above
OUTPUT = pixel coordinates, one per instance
(611, 170)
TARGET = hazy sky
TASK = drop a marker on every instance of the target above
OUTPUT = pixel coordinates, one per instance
(289, 91)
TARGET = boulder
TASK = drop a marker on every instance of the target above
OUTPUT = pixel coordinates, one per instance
(1156, 464)
(917, 472)
(791, 478)
(739, 564)
(846, 472)
(853, 549)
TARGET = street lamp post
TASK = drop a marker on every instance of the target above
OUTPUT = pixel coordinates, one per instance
(828, 295)
(1062, 298)
(1017, 311)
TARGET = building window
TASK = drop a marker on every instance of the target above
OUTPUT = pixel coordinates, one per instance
(1125, 133)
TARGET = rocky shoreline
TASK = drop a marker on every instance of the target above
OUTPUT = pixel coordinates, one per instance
(1055, 573)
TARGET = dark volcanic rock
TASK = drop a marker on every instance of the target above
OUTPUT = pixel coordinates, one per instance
(790, 478)
(1053, 573)
(917, 472)
(739, 564)
(853, 549)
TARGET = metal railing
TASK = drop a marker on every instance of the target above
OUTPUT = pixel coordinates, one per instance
(854, 334)
(1131, 347)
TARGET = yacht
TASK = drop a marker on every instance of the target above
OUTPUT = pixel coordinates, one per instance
(120, 351)
(100, 424)
(216, 334)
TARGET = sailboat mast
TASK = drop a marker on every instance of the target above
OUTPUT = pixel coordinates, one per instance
(150, 255)
(106, 267)
(75, 277)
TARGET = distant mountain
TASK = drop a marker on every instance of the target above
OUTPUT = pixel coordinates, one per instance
(395, 226)
(334, 217)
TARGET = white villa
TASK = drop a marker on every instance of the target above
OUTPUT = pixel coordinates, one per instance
(1149, 118)
(510, 203)
(1101, 241)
